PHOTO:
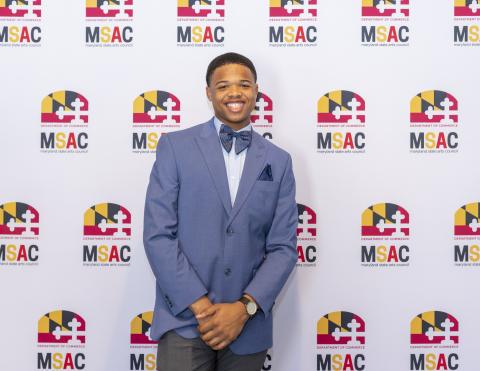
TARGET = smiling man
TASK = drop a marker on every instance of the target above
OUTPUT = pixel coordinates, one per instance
(219, 231)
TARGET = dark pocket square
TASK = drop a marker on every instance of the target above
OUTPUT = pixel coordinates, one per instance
(266, 174)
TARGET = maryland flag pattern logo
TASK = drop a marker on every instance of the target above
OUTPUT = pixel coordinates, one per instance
(341, 328)
(119, 9)
(467, 220)
(434, 106)
(434, 327)
(341, 107)
(31, 9)
(61, 327)
(263, 113)
(156, 107)
(107, 219)
(467, 8)
(67, 107)
(307, 222)
(386, 8)
(140, 329)
(293, 8)
(385, 220)
(201, 8)
(19, 219)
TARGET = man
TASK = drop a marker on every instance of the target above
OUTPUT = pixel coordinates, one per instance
(219, 231)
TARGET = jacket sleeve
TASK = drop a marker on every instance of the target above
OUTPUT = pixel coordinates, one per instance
(281, 246)
(174, 275)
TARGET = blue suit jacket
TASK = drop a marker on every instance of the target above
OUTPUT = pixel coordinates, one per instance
(198, 244)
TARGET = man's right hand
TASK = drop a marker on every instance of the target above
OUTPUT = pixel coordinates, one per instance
(200, 306)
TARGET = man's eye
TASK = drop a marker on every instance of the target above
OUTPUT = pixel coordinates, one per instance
(245, 85)
(221, 87)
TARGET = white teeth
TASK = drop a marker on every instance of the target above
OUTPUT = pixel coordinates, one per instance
(235, 106)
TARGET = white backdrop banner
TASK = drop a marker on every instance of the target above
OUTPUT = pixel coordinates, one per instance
(376, 101)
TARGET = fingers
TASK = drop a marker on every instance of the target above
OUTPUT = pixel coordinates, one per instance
(219, 325)
(210, 335)
(221, 346)
(200, 305)
(215, 340)
(210, 311)
(206, 326)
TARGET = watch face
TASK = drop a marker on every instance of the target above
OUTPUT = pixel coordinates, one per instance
(251, 308)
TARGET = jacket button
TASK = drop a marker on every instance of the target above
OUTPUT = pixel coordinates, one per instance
(229, 230)
(227, 271)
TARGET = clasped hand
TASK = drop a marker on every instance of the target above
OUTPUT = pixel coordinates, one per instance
(220, 324)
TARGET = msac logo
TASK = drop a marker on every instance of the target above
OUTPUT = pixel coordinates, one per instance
(267, 364)
(385, 235)
(434, 338)
(385, 22)
(466, 29)
(109, 23)
(61, 341)
(306, 236)
(20, 22)
(19, 231)
(64, 123)
(341, 342)
(262, 116)
(341, 123)
(433, 122)
(106, 234)
(293, 23)
(154, 112)
(142, 347)
(467, 235)
(200, 23)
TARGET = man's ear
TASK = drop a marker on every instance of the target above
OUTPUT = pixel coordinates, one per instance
(209, 93)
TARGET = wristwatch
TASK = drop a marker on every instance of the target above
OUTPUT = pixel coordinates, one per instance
(250, 305)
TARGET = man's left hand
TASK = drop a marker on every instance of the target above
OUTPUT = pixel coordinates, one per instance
(223, 325)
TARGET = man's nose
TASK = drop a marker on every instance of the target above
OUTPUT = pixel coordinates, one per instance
(234, 91)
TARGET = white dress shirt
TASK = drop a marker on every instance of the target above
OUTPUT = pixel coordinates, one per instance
(233, 162)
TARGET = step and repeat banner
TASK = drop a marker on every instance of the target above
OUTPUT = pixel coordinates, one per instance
(376, 101)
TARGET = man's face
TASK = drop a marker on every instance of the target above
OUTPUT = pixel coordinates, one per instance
(233, 93)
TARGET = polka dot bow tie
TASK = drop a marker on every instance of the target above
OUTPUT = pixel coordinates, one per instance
(244, 138)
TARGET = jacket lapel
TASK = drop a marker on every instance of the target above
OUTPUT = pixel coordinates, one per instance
(210, 147)
(254, 162)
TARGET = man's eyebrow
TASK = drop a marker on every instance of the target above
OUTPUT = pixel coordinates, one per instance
(228, 82)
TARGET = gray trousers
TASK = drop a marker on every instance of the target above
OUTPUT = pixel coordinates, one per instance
(176, 353)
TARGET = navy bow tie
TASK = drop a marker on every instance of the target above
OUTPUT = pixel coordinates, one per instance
(244, 138)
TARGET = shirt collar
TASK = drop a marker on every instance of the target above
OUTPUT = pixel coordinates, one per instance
(218, 124)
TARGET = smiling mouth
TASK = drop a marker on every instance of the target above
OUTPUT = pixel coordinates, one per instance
(235, 107)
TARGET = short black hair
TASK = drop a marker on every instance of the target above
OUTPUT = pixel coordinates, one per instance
(229, 58)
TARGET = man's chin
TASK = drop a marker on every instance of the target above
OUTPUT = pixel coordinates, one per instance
(237, 124)
(235, 121)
